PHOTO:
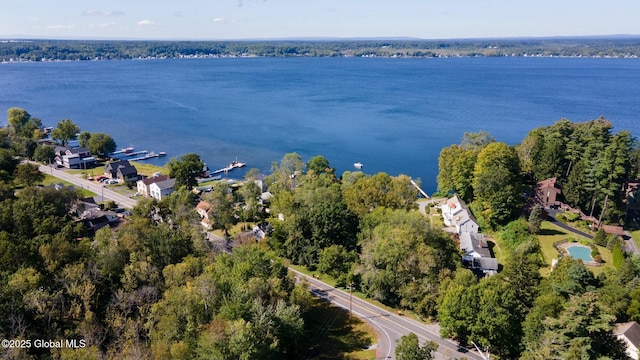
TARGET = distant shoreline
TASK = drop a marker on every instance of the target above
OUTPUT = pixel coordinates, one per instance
(91, 50)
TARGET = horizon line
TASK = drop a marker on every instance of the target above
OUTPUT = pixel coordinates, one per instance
(322, 38)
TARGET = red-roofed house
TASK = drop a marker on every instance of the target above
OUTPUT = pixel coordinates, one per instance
(546, 192)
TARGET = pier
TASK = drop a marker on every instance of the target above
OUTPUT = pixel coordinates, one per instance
(231, 166)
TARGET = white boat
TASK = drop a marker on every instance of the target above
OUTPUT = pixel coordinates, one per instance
(358, 165)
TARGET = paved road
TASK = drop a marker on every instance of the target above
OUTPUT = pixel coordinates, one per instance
(389, 327)
(123, 201)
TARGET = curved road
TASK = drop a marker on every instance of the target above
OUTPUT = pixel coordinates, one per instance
(390, 327)
(123, 201)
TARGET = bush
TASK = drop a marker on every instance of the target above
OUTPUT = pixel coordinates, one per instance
(613, 240)
(600, 238)
(570, 216)
(594, 251)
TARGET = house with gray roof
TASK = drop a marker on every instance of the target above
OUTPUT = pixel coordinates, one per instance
(162, 189)
(122, 170)
(629, 333)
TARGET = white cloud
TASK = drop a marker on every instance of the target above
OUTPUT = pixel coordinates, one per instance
(96, 12)
(59, 27)
(146, 23)
(219, 20)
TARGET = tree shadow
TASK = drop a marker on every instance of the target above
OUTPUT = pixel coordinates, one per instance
(330, 333)
(551, 232)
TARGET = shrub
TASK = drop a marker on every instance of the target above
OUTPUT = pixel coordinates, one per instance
(600, 238)
(613, 240)
(570, 216)
(594, 251)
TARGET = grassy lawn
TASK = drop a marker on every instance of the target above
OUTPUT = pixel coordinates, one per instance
(551, 233)
(636, 237)
(332, 332)
(143, 169)
(48, 180)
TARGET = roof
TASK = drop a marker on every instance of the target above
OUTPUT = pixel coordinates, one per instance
(486, 263)
(630, 330)
(124, 166)
(464, 216)
(151, 180)
(78, 150)
(203, 205)
(551, 182)
(165, 184)
(474, 242)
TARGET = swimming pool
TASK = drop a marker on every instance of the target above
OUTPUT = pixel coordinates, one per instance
(580, 252)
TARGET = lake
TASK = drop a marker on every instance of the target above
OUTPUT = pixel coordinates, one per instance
(393, 115)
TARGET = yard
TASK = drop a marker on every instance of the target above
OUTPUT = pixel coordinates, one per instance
(48, 180)
(551, 233)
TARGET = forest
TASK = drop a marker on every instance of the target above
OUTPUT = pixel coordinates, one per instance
(73, 50)
(155, 288)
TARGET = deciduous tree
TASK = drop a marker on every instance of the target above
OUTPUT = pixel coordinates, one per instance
(65, 130)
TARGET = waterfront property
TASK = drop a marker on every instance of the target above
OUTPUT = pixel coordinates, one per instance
(455, 213)
(74, 158)
(161, 189)
(121, 170)
(546, 192)
(144, 184)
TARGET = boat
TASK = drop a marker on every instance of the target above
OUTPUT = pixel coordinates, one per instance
(358, 165)
(162, 153)
(236, 164)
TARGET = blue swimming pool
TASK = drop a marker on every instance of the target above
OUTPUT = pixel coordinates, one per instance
(580, 252)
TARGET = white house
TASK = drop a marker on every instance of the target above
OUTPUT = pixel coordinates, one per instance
(143, 185)
(162, 189)
(75, 158)
(629, 333)
(455, 213)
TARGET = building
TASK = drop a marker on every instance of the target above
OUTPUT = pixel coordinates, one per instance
(121, 170)
(203, 209)
(74, 158)
(143, 185)
(546, 192)
(161, 189)
(629, 333)
(476, 253)
(455, 213)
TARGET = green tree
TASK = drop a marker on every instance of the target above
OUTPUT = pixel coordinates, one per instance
(222, 207)
(7, 164)
(600, 238)
(319, 165)
(22, 124)
(83, 139)
(496, 184)
(583, 330)
(186, 170)
(44, 154)
(65, 130)
(28, 174)
(101, 144)
(409, 348)
(535, 219)
(618, 255)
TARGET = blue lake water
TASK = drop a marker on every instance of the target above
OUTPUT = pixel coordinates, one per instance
(580, 252)
(393, 115)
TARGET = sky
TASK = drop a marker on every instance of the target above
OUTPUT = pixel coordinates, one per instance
(277, 19)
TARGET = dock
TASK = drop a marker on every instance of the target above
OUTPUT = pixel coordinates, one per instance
(150, 155)
(231, 166)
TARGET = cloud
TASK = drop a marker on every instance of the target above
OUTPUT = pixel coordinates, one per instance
(59, 27)
(99, 13)
(146, 23)
(219, 20)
